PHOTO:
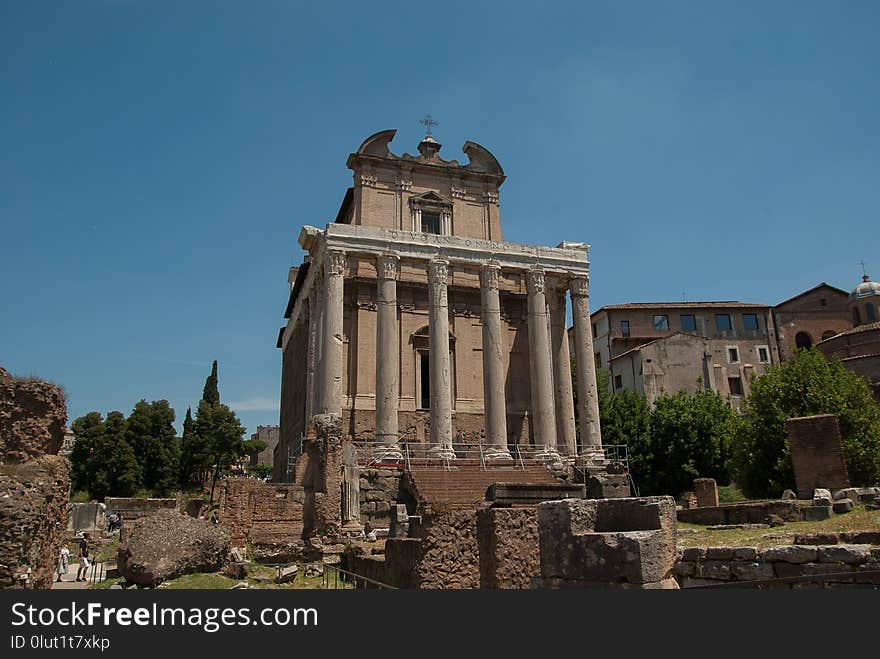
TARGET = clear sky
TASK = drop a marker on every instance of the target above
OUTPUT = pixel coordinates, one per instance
(157, 160)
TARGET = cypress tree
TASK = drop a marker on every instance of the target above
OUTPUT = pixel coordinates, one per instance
(211, 392)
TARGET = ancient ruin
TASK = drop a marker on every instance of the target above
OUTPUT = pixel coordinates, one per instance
(34, 480)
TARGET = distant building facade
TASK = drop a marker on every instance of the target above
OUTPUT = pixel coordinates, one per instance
(859, 346)
(67, 444)
(270, 435)
(662, 347)
(810, 317)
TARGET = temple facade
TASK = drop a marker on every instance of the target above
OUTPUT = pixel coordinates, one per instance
(413, 319)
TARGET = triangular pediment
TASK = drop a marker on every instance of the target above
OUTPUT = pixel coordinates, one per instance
(431, 197)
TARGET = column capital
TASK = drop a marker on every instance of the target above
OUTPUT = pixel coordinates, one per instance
(334, 262)
(489, 273)
(438, 271)
(388, 265)
(579, 286)
(535, 280)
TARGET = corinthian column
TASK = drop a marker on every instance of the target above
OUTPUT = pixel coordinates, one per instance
(588, 400)
(387, 358)
(565, 424)
(543, 408)
(495, 410)
(330, 382)
(438, 360)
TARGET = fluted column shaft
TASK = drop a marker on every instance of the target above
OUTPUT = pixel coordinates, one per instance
(495, 409)
(438, 360)
(565, 423)
(330, 381)
(543, 407)
(588, 399)
(387, 357)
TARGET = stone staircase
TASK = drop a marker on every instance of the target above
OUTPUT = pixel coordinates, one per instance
(467, 483)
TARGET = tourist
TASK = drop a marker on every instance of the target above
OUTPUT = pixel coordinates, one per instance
(84, 564)
(63, 561)
(112, 522)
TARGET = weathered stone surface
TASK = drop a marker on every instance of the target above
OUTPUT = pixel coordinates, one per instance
(532, 493)
(745, 553)
(816, 454)
(606, 541)
(604, 485)
(713, 570)
(684, 568)
(788, 495)
(286, 574)
(816, 513)
(815, 539)
(90, 516)
(167, 544)
(789, 554)
(32, 418)
(706, 491)
(821, 501)
(742, 513)
(33, 500)
(860, 537)
(720, 553)
(694, 554)
(751, 570)
(854, 554)
(34, 482)
(508, 546)
(842, 506)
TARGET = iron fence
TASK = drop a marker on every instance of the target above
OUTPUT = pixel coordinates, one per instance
(335, 578)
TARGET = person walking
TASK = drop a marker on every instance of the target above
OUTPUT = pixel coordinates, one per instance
(84, 563)
(63, 562)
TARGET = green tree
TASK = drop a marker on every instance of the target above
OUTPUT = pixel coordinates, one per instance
(89, 433)
(104, 463)
(211, 392)
(804, 385)
(222, 432)
(193, 454)
(151, 433)
(690, 435)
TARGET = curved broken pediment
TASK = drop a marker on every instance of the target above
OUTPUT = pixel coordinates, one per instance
(377, 144)
(481, 159)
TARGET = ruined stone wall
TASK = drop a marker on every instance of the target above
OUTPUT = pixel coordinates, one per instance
(266, 517)
(744, 513)
(34, 481)
(293, 390)
(817, 454)
(33, 414)
(704, 566)
(508, 547)
(133, 508)
(379, 490)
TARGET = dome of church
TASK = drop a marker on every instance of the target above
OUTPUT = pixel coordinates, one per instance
(867, 288)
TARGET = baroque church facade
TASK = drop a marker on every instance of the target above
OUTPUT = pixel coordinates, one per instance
(415, 321)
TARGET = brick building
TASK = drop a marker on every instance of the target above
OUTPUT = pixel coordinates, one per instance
(270, 435)
(414, 320)
(810, 317)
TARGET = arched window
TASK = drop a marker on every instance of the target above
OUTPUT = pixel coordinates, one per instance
(803, 340)
(857, 319)
(828, 334)
(870, 313)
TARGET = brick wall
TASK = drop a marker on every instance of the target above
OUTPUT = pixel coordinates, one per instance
(267, 517)
(816, 454)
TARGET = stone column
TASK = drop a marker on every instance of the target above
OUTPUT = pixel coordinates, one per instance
(311, 359)
(316, 307)
(541, 369)
(438, 360)
(495, 409)
(565, 424)
(351, 504)
(588, 399)
(387, 358)
(330, 382)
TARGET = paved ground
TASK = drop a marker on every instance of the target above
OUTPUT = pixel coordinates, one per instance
(69, 580)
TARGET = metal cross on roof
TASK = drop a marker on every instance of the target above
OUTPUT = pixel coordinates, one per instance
(864, 272)
(428, 123)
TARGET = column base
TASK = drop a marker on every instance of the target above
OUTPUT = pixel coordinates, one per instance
(441, 453)
(592, 457)
(352, 529)
(388, 454)
(548, 456)
(497, 454)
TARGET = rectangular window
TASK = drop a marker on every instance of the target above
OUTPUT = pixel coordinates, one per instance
(733, 354)
(425, 381)
(688, 322)
(722, 321)
(764, 354)
(661, 323)
(870, 315)
(430, 222)
(736, 386)
(595, 331)
(624, 327)
(750, 321)
(618, 382)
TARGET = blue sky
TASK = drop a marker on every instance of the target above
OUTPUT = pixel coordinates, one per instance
(157, 160)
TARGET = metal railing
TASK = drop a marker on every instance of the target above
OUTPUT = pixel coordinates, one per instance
(95, 573)
(336, 578)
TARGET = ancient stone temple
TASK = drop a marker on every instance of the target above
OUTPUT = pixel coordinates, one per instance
(413, 319)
